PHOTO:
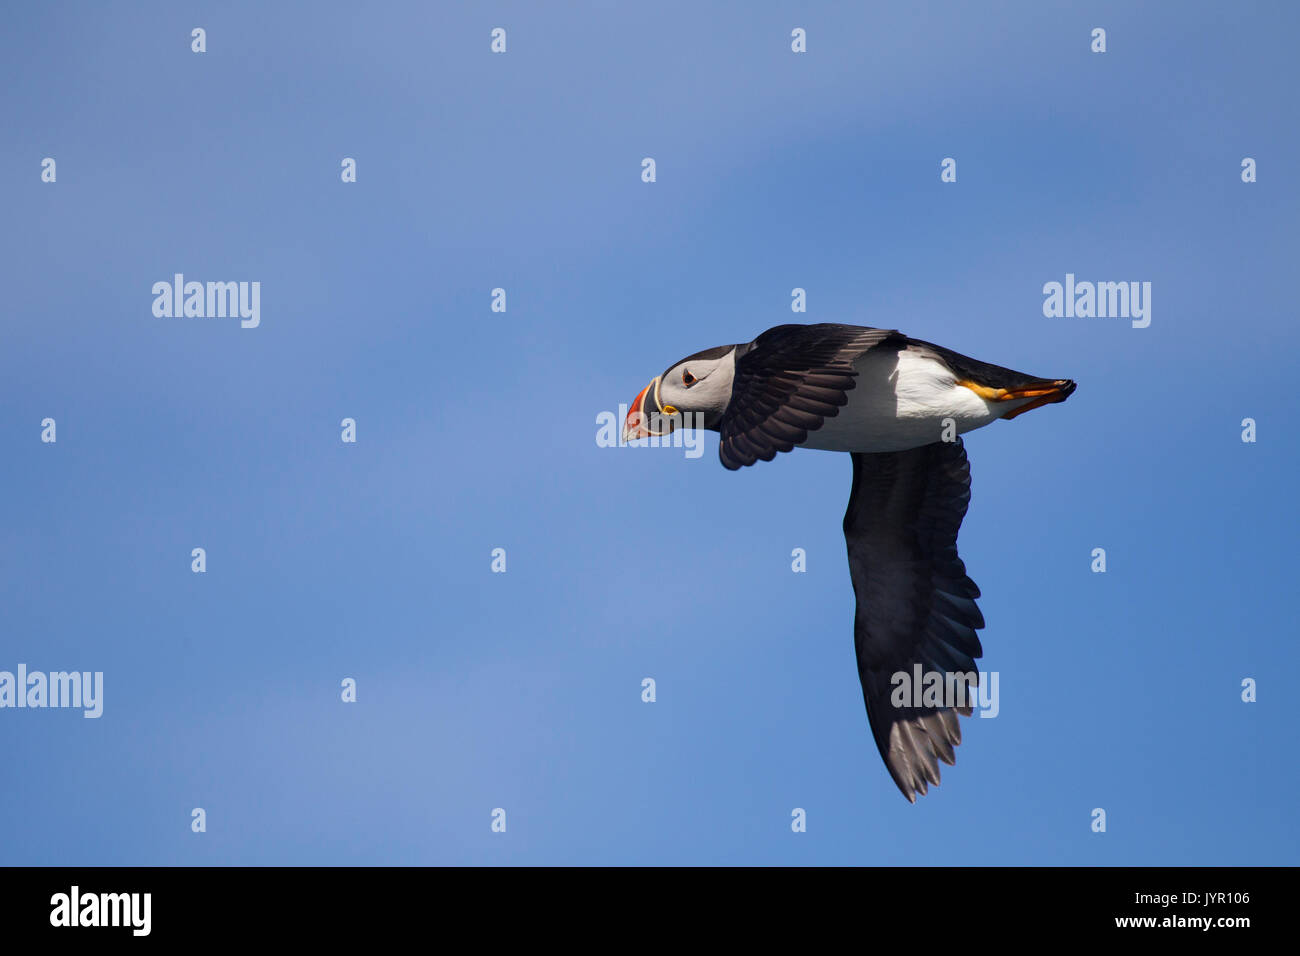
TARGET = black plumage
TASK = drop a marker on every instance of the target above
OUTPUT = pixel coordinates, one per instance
(915, 602)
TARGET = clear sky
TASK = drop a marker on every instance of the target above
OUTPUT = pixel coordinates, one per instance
(477, 429)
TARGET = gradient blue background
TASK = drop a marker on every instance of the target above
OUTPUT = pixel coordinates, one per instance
(477, 430)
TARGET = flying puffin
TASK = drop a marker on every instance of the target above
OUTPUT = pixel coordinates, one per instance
(897, 405)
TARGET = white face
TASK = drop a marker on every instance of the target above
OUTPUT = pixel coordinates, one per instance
(699, 385)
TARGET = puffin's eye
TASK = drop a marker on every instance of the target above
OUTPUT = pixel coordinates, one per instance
(687, 378)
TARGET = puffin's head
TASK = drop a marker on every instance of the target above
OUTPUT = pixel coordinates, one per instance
(698, 386)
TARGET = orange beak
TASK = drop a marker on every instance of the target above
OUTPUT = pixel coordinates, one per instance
(637, 424)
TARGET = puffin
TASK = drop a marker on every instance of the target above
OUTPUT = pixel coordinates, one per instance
(898, 406)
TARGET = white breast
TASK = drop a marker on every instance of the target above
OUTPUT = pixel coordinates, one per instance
(901, 401)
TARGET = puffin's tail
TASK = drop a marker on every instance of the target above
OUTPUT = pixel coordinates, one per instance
(1043, 392)
(994, 383)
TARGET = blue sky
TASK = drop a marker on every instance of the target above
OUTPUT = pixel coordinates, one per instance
(476, 430)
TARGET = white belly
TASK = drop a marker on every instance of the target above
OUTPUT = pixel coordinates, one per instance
(903, 400)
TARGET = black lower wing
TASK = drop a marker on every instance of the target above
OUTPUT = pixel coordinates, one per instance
(916, 611)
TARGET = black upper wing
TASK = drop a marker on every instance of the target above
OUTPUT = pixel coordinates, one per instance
(788, 381)
(915, 603)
